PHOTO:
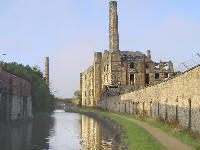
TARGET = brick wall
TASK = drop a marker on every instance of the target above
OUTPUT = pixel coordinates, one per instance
(15, 97)
(15, 83)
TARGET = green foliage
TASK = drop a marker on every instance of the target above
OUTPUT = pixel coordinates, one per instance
(42, 99)
(78, 95)
(186, 136)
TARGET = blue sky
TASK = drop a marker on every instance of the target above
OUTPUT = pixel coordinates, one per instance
(69, 31)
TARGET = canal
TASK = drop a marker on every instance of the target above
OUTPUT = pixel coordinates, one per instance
(58, 131)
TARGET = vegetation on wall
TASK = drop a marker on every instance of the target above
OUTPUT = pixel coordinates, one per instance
(42, 99)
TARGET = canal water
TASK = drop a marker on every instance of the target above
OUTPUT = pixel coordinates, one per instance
(58, 131)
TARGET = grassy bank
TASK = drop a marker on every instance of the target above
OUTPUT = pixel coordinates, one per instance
(137, 137)
(186, 136)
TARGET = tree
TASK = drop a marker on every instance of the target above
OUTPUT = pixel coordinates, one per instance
(78, 95)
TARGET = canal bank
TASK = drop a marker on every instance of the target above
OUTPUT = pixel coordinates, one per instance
(139, 137)
(133, 137)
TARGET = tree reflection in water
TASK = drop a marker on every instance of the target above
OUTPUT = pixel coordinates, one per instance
(27, 135)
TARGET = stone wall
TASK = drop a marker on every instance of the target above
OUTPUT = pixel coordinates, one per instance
(97, 77)
(88, 87)
(177, 99)
(106, 68)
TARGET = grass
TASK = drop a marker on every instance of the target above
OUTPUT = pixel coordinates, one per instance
(186, 136)
(138, 138)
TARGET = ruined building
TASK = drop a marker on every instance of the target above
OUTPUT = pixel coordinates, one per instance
(120, 69)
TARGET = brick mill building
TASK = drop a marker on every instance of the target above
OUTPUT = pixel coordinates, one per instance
(15, 97)
(120, 69)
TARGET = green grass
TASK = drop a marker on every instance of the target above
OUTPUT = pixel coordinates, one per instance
(138, 138)
(183, 135)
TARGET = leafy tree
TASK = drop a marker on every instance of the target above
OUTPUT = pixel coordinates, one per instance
(78, 96)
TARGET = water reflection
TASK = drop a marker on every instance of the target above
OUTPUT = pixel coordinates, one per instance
(27, 135)
(96, 135)
(65, 134)
(58, 131)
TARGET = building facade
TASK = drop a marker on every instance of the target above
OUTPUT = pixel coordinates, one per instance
(15, 97)
(116, 69)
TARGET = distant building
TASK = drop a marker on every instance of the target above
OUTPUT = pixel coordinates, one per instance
(118, 69)
(15, 97)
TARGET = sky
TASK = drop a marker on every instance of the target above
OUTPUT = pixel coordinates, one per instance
(70, 31)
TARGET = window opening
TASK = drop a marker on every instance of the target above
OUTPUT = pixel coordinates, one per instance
(156, 75)
(131, 78)
(131, 65)
(147, 79)
(146, 65)
(166, 75)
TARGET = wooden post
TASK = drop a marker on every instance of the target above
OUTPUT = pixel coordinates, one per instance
(158, 107)
(136, 108)
(150, 108)
(143, 108)
(125, 107)
(166, 110)
(189, 114)
(177, 109)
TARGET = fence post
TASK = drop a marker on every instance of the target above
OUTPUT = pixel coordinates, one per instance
(189, 114)
(150, 108)
(133, 108)
(143, 108)
(158, 109)
(130, 106)
(125, 107)
(176, 109)
(166, 110)
(136, 108)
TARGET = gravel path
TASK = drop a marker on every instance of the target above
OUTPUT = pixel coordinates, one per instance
(170, 142)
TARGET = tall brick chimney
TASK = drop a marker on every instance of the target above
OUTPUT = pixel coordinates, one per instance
(113, 27)
(47, 70)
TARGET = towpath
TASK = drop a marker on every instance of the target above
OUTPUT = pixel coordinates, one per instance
(170, 142)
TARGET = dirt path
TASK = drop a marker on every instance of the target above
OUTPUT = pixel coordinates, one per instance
(164, 138)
